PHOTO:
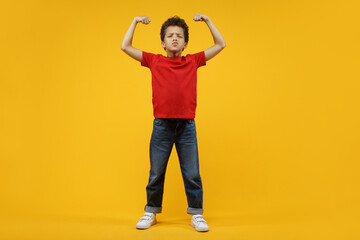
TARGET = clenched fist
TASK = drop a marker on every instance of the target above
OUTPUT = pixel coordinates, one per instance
(200, 17)
(142, 19)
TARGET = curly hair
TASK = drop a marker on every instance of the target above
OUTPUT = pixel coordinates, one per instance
(175, 21)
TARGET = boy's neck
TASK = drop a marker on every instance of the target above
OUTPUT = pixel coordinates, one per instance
(173, 54)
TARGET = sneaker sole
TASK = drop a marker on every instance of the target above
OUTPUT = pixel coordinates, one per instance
(143, 228)
(193, 225)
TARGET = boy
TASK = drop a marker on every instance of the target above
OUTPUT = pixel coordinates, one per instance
(174, 103)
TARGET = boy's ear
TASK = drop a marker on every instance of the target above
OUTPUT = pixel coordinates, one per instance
(185, 45)
(162, 44)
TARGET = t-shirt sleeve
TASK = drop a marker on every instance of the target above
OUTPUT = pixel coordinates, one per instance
(199, 58)
(147, 59)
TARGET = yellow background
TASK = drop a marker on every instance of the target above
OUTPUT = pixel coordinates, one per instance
(277, 118)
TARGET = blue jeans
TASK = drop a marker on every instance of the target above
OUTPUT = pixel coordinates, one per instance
(182, 132)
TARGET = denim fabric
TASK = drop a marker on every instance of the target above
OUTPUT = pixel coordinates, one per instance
(182, 132)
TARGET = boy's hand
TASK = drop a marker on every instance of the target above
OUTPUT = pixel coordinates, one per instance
(142, 19)
(219, 42)
(126, 44)
(200, 17)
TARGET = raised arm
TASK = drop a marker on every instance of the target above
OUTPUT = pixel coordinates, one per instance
(219, 42)
(126, 44)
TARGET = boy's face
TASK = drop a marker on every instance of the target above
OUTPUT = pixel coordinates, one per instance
(174, 40)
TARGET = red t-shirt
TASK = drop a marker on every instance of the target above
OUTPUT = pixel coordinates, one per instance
(174, 83)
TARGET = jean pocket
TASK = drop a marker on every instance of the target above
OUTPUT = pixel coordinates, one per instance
(157, 121)
(190, 121)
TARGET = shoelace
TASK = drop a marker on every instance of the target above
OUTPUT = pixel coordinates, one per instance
(200, 219)
(146, 217)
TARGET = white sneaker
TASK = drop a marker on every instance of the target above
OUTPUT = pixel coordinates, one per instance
(147, 220)
(199, 223)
